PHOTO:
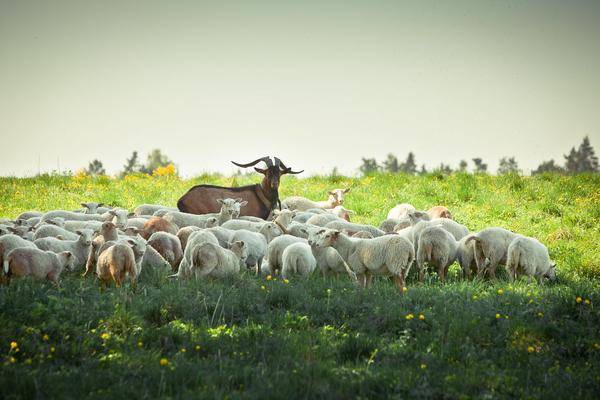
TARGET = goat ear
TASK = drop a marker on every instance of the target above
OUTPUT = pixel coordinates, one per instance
(260, 171)
(243, 203)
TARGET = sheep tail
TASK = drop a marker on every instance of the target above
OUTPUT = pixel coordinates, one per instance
(206, 258)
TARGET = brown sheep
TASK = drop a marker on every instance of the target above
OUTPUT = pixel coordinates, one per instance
(439, 212)
(158, 224)
(168, 246)
(184, 233)
(108, 232)
(40, 264)
(114, 263)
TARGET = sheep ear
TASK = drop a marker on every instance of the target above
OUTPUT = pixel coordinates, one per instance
(346, 190)
(131, 242)
(335, 234)
(243, 203)
(332, 193)
(84, 205)
(31, 228)
(130, 215)
(12, 229)
(100, 204)
(78, 232)
(303, 231)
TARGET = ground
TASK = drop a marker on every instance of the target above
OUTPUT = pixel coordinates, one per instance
(320, 338)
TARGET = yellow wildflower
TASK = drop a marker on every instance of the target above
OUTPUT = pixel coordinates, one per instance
(498, 316)
(183, 350)
(409, 317)
(500, 292)
(404, 289)
(164, 362)
(587, 301)
(12, 360)
(286, 281)
(52, 349)
(269, 277)
(475, 297)
(197, 348)
(263, 287)
(105, 336)
(140, 344)
(13, 345)
(421, 317)
(423, 366)
(578, 299)
(45, 338)
(541, 314)
(530, 349)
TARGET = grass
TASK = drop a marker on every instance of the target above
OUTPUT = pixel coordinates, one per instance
(321, 338)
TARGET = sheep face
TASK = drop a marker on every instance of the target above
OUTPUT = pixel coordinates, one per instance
(91, 207)
(336, 196)
(240, 248)
(323, 237)
(551, 273)
(232, 207)
(85, 237)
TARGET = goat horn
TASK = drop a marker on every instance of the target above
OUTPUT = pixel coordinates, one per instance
(289, 171)
(265, 159)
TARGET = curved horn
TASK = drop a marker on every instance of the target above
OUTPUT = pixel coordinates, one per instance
(289, 171)
(280, 163)
(284, 169)
(266, 160)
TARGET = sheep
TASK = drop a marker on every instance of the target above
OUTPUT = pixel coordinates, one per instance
(251, 218)
(28, 222)
(38, 263)
(118, 216)
(212, 261)
(230, 208)
(341, 212)
(195, 239)
(150, 209)
(275, 251)
(303, 216)
(401, 210)
(457, 230)
(353, 228)
(162, 212)
(299, 230)
(73, 216)
(297, 259)
(282, 220)
(115, 263)
(25, 232)
(158, 224)
(4, 230)
(136, 222)
(439, 212)
(387, 255)
(168, 246)
(80, 248)
(466, 257)
(322, 219)
(108, 232)
(390, 225)
(336, 198)
(328, 259)
(529, 256)
(73, 226)
(184, 233)
(363, 235)
(437, 247)
(10, 242)
(29, 214)
(491, 244)
(223, 235)
(256, 244)
(92, 208)
(153, 259)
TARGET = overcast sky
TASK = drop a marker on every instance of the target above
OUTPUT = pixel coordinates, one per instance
(318, 83)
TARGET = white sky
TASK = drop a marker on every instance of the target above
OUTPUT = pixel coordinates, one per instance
(317, 83)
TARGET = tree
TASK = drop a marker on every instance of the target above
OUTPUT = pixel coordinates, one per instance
(409, 166)
(547, 166)
(462, 166)
(155, 159)
(423, 170)
(583, 159)
(131, 164)
(369, 166)
(479, 165)
(391, 164)
(508, 166)
(95, 168)
(444, 169)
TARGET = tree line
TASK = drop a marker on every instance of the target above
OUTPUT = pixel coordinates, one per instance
(580, 160)
(154, 162)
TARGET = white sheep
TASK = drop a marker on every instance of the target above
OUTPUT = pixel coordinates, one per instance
(389, 255)
(168, 246)
(336, 198)
(73, 226)
(212, 261)
(352, 228)
(297, 259)
(491, 244)
(25, 232)
(256, 244)
(437, 247)
(275, 251)
(223, 235)
(150, 209)
(322, 219)
(457, 230)
(40, 264)
(465, 255)
(195, 239)
(8, 243)
(529, 257)
(80, 248)
(400, 211)
(30, 214)
(72, 216)
(92, 208)
(230, 208)
(328, 258)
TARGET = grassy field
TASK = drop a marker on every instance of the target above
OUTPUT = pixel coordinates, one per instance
(321, 338)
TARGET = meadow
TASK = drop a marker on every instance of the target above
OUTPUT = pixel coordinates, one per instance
(320, 338)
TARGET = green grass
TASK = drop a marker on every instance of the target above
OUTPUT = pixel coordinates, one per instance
(320, 338)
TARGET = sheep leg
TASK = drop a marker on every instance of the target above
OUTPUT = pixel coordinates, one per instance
(422, 273)
(399, 281)
(369, 279)
(351, 273)
(362, 280)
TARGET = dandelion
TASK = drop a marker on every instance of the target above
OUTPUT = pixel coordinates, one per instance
(13, 345)
(541, 314)
(269, 277)
(530, 349)
(183, 350)
(409, 317)
(474, 297)
(578, 299)
(263, 287)
(498, 316)
(164, 362)
(12, 360)
(328, 292)
(45, 338)
(105, 336)
(197, 348)
(500, 292)
(404, 289)
(286, 281)
(52, 349)
(506, 316)
(423, 366)
(140, 344)
(421, 317)
(587, 301)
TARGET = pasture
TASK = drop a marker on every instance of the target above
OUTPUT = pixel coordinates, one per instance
(320, 338)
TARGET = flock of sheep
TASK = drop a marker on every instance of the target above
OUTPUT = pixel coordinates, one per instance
(114, 245)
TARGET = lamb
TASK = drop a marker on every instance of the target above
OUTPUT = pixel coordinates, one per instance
(530, 257)
(256, 244)
(212, 261)
(223, 235)
(457, 230)
(322, 219)
(108, 232)
(195, 239)
(465, 256)
(30, 214)
(25, 232)
(336, 198)
(8, 243)
(387, 255)
(150, 209)
(72, 216)
(341, 212)
(230, 208)
(73, 226)
(328, 259)
(390, 225)
(439, 212)
(158, 224)
(437, 247)
(115, 263)
(401, 210)
(303, 216)
(136, 222)
(282, 220)
(168, 246)
(118, 216)
(92, 208)
(353, 228)
(184, 233)
(491, 244)
(275, 251)
(40, 264)
(297, 259)
(363, 235)
(79, 248)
